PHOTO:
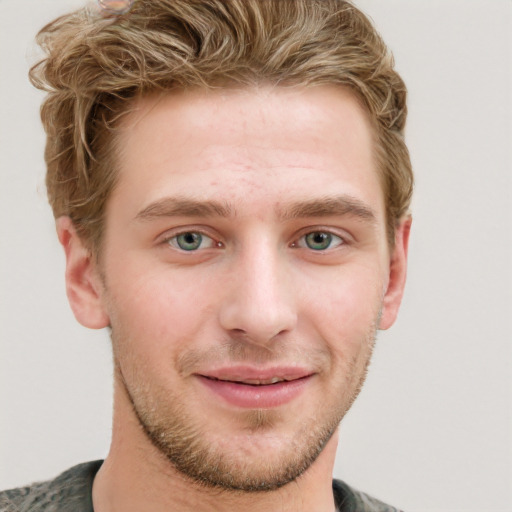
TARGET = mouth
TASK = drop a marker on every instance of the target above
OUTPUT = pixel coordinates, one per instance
(253, 382)
(256, 389)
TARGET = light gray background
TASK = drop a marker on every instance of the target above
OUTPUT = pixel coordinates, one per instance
(432, 430)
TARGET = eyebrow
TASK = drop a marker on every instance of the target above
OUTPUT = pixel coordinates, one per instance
(183, 207)
(338, 206)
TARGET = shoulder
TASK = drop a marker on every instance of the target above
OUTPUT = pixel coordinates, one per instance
(70, 491)
(349, 499)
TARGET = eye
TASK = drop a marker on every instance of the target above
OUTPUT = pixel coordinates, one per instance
(319, 241)
(191, 241)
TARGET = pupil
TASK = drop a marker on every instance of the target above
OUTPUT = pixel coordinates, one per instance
(189, 241)
(318, 240)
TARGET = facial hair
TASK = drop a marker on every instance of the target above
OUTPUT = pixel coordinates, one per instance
(188, 445)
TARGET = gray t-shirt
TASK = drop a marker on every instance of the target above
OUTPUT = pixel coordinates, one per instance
(72, 492)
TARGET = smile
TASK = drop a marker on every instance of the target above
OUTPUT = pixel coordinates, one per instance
(253, 389)
(252, 382)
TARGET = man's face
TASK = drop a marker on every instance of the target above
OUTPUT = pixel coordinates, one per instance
(245, 270)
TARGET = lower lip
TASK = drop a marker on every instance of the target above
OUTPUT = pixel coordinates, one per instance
(256, 397)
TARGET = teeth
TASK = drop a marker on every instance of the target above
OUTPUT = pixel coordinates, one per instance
(257, 382)
(252, 382)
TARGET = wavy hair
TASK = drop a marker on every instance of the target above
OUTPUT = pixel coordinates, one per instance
(96, 63)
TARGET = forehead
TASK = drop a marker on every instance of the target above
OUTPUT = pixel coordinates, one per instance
(266, 142)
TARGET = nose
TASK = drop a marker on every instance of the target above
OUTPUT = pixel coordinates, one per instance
(259, 303)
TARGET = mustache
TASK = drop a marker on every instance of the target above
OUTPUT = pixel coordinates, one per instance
(239, 351)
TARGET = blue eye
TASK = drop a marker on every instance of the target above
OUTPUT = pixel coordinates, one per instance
(191, 241)
(320, 241)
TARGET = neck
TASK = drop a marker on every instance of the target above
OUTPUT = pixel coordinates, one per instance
(136, 476)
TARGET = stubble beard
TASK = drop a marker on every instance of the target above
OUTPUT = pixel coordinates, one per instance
(186, 445)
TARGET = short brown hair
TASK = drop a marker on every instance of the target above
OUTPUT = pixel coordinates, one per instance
(97, 63)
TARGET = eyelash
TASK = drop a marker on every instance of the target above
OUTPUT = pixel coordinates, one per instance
(328, 236)
(169, 240)
(300, 243)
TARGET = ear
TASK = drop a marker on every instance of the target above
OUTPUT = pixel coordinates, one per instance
(397, 275)
(83, 284)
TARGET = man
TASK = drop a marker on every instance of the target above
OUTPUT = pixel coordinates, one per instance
(231, 188)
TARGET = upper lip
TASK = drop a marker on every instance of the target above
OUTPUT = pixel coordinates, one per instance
(254, 375)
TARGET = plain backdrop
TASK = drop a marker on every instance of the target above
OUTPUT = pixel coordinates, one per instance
(432, 429)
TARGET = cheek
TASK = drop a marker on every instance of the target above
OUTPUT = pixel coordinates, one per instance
(346, 313)
(157, 308)
(347, 324)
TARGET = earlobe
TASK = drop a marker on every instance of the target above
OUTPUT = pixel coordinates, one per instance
(83, 283)
(397, 275)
